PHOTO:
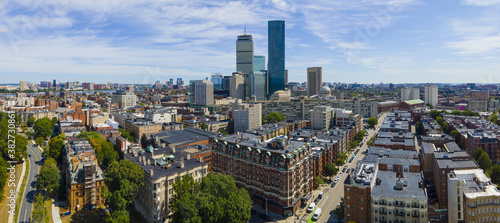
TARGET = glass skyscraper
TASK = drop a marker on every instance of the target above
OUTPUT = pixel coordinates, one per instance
(259, 62)
(276, 51)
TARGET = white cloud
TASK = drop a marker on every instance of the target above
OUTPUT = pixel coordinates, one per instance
(482, 2)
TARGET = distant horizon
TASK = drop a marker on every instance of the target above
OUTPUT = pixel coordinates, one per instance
(398, 41)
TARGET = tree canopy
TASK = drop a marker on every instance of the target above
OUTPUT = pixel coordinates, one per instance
(495, 174)
(275, 117)
(478, 153)
(330, 170)
(215, 199)
(56, 146)
(484, 161)
(43, 127)
(49, 177)
(40, 214)
(372, 122)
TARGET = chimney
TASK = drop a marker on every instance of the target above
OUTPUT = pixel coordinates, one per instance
(148, 161)
(173, 149)
(188, 156)
(153, 152)
(151, 172)
(200, 159)
(144, 161)
(140, 158)
(182, 164)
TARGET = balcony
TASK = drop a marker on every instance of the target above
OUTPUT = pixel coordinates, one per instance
(401, 204)
(415, 215)
(399, 213)
(383, 211)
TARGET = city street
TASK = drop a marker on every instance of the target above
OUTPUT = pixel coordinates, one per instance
(333, 195)
(35, 159)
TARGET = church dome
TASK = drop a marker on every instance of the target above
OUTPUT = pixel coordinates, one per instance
(325, 92)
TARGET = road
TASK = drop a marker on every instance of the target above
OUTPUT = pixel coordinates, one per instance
(333, 195)
(35, 159)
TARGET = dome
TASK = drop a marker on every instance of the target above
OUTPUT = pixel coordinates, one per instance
(325, 89)
(325, 92)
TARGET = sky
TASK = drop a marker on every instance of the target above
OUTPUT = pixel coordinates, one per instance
(137, 41)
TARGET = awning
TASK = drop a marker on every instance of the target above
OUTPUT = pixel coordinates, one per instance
(283, 155)
(268, 153)
(258, 150)
(249, 149)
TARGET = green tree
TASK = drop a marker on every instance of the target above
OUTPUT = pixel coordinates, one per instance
(330, 170)
(445, 127)
(119, 216)
(494, 118)
(495, 174)
(439, 120)
(54, 120)
(274, 117)
(31, 121)
(223, 132)
(49, 178)
(455, 134)
(39, 212)
(39, 141)
(123, 178)
(372, 122)
(215, 199)
(339, 162)
(203, 125)
(344, 156)
(429, 105)
(43, 127)
(3, 176)
(339, 210)
(127, 135)
(56, 146)
(484, 161)
(107, 154)
(317, 181)
(477, 153)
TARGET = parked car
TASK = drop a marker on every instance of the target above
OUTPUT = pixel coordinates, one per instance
(316, 215)
(343, 170)
(316, 200)
(340, 174)
(321, 195)
(333, 184)
(348, 170)
(311, 206)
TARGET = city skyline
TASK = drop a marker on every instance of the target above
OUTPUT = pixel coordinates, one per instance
(403, 41)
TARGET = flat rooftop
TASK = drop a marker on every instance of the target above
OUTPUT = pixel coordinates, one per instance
(386, 186)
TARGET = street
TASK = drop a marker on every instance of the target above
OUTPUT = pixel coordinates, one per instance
(35, 159)
(333, 195)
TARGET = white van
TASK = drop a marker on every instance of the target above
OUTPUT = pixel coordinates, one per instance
(316, 215)
(311, 207)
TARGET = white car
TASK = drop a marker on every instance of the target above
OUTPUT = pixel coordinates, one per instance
(311, 207)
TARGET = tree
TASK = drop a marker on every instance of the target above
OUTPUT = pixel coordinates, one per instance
(54, 120)
(317, 181)
(203, 125)
(494, 118)
(49, 177)
(123, 178)
(126, 135)
(3, 176)
(455, 134)
(478, 153)
(43, 127)
(106, 155)
(31, 121)
(24, 127)
(119, 216)
(39, 141)
(484, 161)
(372, 122)
(339, 210)
(215, 199)
(339, 162)
(223, 132)
(439, 120)
(495, 174)
(445, 127)
(39, 212)
(330, 169)
(56, 146)
(274, 117)
(429, 105)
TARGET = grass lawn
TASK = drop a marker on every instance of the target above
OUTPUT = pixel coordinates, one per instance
(48, 207)
(6, 192)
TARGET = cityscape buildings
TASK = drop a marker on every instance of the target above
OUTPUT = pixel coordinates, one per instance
(276, 57)
(431, 95)
(314, 80)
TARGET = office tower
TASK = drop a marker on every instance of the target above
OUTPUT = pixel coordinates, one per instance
(237, 86)
(171, 82)
(179, 81)
(226, 83)
(259, 62)
(431, 94)
(314, 80)
(202, 92)
(246, 116)
(54, 83)
(68, 85)
(244, 54)
(124, 99)
(217, 79)
(21, 85)
(408, 93)
(258, 84)
(276, 51)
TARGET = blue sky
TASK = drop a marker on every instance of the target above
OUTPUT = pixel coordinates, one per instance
(137, 41)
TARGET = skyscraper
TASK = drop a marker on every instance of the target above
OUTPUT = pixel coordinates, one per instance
(259, 62)
(409, 93)
(314, 80)
(431, 94)
(276, 51)
(21, 85)
(258, 84)
(237, 86)
(54, 84)
(216, 79)
(244, 54)
(202, 92)
(179, 81)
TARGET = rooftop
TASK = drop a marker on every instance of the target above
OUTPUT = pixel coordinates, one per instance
(388, 185)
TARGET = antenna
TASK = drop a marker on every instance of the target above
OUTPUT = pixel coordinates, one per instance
(245, 29)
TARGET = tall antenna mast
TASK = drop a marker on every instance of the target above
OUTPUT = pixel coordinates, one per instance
(245, 29)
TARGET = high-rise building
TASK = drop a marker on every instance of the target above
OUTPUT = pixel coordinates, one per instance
(259, 62)
(431, 94)
(21, 85)
(171, 82)
(180, 82)
(276, 51)
(54, 83)
(244, 54)
(237, 86)
(125, 99)
(246, 116)
(321, 117)
(217, 80)
(258, 84)
(203, 93)
(410, 93)
(314, 80)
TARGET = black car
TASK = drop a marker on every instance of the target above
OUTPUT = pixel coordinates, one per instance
(316, 200)
(265, 217)
(343, 170)
(333, 184)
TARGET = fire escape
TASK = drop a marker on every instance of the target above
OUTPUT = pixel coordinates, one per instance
(89, 170)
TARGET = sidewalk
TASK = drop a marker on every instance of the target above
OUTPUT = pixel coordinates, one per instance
(56, 217)
(18, 188)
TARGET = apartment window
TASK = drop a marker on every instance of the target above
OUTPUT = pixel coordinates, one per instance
(170, 191)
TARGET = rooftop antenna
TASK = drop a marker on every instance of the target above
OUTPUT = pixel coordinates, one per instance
(245, 30)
